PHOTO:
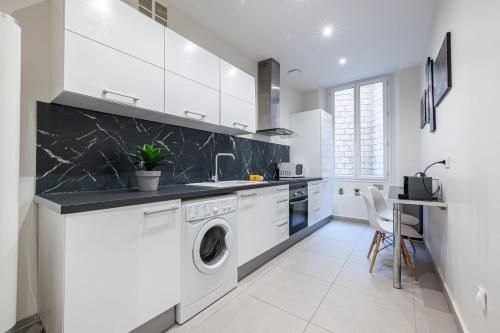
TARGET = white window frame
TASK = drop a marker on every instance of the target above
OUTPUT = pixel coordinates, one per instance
(357, 111)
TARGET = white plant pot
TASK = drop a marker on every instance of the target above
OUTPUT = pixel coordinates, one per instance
(148, 180)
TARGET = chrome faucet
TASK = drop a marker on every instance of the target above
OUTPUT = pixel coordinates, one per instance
(215, 177)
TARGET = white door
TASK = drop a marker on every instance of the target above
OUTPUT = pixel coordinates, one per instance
(236, 113)
(212, 246)
(98, 71)
(122, 264)
(189, 99)
(237, 83)
(191, 61)
(118, 25)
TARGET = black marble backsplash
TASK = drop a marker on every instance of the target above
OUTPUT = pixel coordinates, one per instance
(82, 150)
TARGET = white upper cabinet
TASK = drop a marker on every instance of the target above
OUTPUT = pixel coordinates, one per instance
(237, 83)
(190, 99)
(110, 75)
(118, 25)
(236, 113)
(191, 61)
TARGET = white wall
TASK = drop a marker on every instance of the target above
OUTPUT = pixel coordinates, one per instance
(35, 21)
(464, 241)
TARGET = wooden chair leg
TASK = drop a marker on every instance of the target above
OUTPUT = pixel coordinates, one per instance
(413, 245)
(373, 243)
(409, 263)
(379, 238)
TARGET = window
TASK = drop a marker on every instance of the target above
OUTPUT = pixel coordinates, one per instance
(360, 130)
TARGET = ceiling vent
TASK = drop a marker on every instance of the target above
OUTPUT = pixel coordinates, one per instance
(152, 9)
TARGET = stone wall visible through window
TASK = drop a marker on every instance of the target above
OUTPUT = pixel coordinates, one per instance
(359, 130)
(344, 133)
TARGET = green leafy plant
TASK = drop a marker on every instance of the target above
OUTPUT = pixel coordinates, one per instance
(149, 157)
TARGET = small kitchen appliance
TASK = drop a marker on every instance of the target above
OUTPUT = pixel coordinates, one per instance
(291, 170)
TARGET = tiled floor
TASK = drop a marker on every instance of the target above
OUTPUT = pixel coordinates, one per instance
(322, 285)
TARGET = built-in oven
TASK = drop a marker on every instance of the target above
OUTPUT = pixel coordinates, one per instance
(298, 207)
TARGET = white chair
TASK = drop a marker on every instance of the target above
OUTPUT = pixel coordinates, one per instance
(385, 212)
(382, 228)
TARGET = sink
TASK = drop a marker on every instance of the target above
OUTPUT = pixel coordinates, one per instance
(228, 183)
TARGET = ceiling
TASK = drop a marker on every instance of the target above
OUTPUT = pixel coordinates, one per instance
(375, 36)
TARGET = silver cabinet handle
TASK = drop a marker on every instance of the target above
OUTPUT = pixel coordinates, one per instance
(281, 189)
(316, 192)
(317, 210)
(281, 224)
(280, 201)
(202, 116)
(161, 210)
(108, 91)
(240, 124)
(248, 195)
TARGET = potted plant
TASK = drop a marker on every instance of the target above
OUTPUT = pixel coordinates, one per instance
(148, 158)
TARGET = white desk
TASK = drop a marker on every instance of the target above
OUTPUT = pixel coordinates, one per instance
(397, 205)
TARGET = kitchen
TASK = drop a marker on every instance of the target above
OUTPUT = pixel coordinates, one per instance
(180, 176)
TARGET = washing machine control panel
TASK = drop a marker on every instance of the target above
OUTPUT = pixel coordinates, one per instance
(203, 210)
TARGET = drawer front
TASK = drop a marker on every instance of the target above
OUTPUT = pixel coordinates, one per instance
(237, 83)
(281, 232)
(188, 99)
(111, 75)
(236, 113)
(187, 59)
(119, 26)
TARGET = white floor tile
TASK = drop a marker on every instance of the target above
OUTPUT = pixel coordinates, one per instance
(356, 276)
(429, 297)
(246, 314)
(313, 264)
(334, 248)
(428, 323)
(315, 329)
(293, 292)
(341, 231)
(349, 311)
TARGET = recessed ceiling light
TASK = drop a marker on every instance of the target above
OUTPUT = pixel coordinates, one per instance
(327, 31)
(342, 61)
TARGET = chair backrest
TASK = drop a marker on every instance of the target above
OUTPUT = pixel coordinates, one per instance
(379, 202)
(372, 214)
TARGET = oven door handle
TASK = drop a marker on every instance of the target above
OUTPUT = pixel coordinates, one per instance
(298, 202)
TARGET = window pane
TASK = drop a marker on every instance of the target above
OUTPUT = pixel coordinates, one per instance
(371, 99)
(344, 133)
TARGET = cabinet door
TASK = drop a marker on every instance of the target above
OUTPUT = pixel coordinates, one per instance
(121, 264)
(236, 113)
(314, 203)
(98, 71)
(252, 235)
(188, 99)
(281, 231)
(187, 59)
(237, 83)
(326, 198)
(118, 25)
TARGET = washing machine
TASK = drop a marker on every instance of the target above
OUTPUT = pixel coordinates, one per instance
(209, 265)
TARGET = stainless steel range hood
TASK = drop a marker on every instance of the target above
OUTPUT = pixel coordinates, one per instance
(269, 100)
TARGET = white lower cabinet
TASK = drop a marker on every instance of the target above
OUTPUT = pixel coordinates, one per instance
(189, 99)
(320, 204)
(110, 270)
(262, 221)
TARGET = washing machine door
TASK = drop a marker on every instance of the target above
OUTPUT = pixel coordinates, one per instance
(212, 246)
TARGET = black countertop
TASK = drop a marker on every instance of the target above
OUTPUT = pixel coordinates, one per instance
(78, 202)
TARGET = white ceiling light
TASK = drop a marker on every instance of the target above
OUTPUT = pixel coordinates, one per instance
(342, 61)
(327, 31)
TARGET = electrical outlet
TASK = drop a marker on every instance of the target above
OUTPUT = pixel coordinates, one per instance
(447, 163)
(482, 298)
